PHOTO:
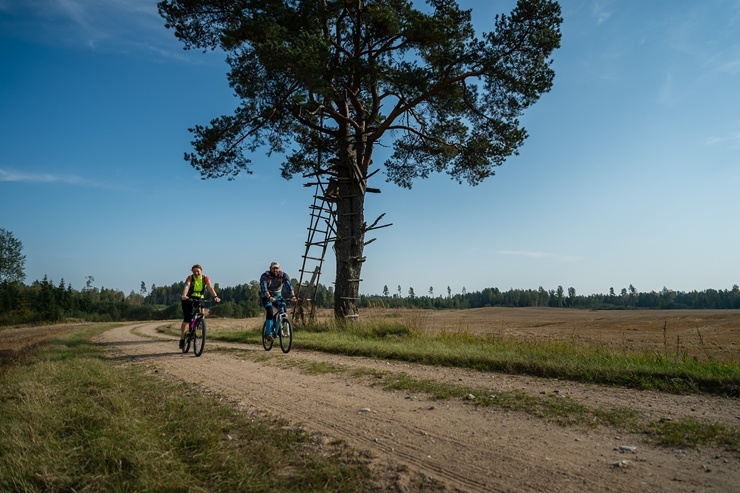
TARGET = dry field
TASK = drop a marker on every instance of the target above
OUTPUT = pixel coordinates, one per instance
(701, 334)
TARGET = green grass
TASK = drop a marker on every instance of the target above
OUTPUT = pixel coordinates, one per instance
(691, 432)
(70, 420)
(565, 411)
(397, 340)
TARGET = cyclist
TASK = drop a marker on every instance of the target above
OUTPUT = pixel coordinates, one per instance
(195, 287)
(271, 285)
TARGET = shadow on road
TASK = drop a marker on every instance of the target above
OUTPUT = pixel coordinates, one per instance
(147, 356)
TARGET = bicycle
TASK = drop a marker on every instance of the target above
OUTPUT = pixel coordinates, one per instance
(197, 329)
(284, 327)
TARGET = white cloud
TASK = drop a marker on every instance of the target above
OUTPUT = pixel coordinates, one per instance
(715, 140)
(666, 93)
(518, 253)
(22, 177)
(600, 12)
(530, 254)
(112, 25)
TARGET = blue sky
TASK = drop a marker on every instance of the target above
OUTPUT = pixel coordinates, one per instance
(630, 174)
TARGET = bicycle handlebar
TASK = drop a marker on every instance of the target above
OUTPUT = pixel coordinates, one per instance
(199, 301)
(280, 297)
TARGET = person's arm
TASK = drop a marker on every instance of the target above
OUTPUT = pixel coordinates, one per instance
(186, 289)
(213, 291)
(286, 278)
(263, 287)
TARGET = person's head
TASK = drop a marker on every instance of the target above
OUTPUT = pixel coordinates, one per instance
(274, 267)
(197, 270)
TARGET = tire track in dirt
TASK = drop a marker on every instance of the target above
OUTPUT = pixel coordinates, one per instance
(279, 399)
(410, 445)
(457, 445)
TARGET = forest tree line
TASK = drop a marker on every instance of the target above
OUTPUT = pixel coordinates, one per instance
(45, 301)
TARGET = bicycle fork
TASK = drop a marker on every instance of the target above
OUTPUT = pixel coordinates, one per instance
(279, 321)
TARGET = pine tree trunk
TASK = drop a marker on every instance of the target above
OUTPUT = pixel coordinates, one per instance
(350, 242)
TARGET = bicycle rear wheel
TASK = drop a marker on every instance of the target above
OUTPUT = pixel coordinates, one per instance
(266, 340)
(285, 334)
(199, 336)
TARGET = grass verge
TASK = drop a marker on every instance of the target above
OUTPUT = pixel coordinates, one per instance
(404, 341)
(72, 421)
(553, 407)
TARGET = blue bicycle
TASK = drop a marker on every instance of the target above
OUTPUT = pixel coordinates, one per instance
(282, 328)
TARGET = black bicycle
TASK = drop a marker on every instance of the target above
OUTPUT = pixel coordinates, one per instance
(281, 327)
(197, 329)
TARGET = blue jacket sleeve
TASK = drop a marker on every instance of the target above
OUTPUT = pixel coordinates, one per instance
(263, 285)
(286, 280)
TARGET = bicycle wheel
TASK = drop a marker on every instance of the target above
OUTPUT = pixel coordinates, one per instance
(188, 338)
(199, 336)
(286, 334)
(266, 341)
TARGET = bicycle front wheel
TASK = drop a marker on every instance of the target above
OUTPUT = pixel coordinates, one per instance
(286, 334)
(188, 338)
(199, 336)
(266, 339)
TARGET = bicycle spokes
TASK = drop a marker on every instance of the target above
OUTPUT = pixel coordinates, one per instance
(285, 333)
(199, 336)
(267, 338)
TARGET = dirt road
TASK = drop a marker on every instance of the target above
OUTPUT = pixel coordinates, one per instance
(419, 444)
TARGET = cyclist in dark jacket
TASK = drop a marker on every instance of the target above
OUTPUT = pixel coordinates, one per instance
(271, 285)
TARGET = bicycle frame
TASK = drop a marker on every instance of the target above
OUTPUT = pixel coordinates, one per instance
(281, 306)
(196, 333)
(197, 313)
(282, 325)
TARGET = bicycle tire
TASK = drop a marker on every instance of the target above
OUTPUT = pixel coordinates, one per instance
(285, 334)
(199, 337)
(188, 338)
(266, 343)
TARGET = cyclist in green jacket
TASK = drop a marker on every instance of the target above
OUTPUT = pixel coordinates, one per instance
(195, 287)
